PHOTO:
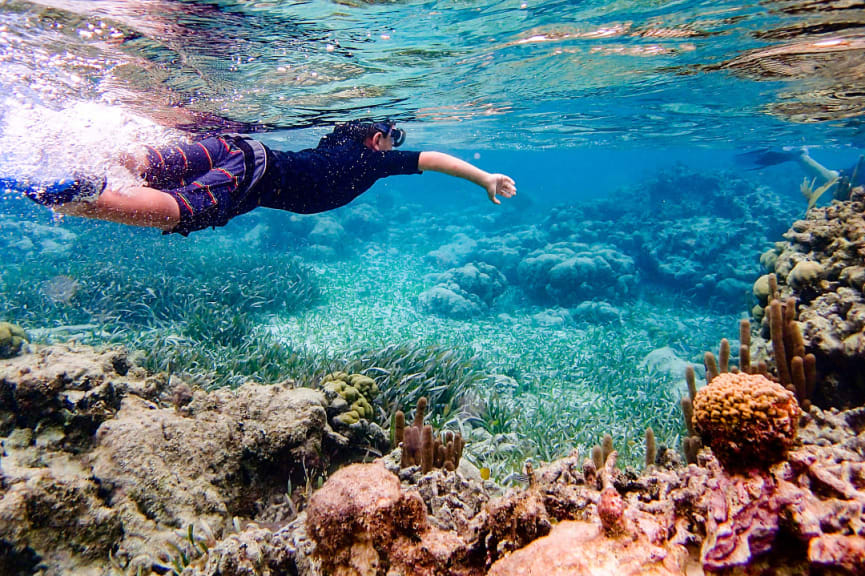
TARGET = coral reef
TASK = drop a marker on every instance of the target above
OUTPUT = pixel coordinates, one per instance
(166, 456)
(567, 273)
(746, 419)
(577, 252)
(465, 291)
(820, 267)
(654, 524)
(12, 339)
(103, 463)
(101, 459)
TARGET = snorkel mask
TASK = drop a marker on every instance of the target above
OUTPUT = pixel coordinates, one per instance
(388, 129)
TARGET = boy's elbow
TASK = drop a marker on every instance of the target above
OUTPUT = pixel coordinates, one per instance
(431, 160)
(425, 160)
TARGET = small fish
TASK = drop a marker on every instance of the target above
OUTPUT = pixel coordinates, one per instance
(516, 477)
(485, 473)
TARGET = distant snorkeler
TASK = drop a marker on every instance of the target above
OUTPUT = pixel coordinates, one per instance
(843, 181)
(205, 184)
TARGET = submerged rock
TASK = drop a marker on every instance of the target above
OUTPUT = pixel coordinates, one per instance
(100, 457)
(463, 292)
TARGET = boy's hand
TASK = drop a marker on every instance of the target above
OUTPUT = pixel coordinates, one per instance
(500, 185)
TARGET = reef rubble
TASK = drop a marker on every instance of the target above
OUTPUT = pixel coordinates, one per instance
(108, 469)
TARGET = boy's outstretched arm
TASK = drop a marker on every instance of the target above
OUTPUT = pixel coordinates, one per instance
(494, 184)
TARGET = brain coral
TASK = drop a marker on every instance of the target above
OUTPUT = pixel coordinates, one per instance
(746, 419)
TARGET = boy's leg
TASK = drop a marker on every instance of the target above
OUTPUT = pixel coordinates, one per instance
(206, 200)
(814, 168)
(139, 206)
(176, 166)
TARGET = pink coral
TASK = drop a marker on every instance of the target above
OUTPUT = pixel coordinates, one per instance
(363, 523)
(611, 509)
(742, 520)
(581, 548)
(837, 551)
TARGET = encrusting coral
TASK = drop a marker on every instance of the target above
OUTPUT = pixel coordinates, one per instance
(357, 390)
(620, 540)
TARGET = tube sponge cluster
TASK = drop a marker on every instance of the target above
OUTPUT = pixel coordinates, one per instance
(421, 448)
(747, 419)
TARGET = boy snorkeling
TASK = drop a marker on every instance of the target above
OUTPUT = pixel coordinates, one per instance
(189, 187)
(821, 178)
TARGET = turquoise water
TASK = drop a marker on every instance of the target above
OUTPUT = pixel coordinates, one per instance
(620, 121)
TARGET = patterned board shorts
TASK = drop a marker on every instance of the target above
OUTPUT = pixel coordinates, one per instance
(204, 178)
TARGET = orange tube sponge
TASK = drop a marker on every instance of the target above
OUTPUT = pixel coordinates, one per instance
(746, 419)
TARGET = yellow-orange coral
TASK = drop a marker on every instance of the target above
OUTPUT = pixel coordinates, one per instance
(746, 419)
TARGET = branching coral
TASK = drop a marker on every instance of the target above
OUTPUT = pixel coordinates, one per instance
(796, 369)
(814, 194)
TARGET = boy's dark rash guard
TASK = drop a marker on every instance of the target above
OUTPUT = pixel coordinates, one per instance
(320, 179)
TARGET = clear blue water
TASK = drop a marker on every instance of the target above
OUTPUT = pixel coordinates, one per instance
(620, 121)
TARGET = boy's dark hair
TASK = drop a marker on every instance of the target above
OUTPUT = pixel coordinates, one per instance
(353, 131)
